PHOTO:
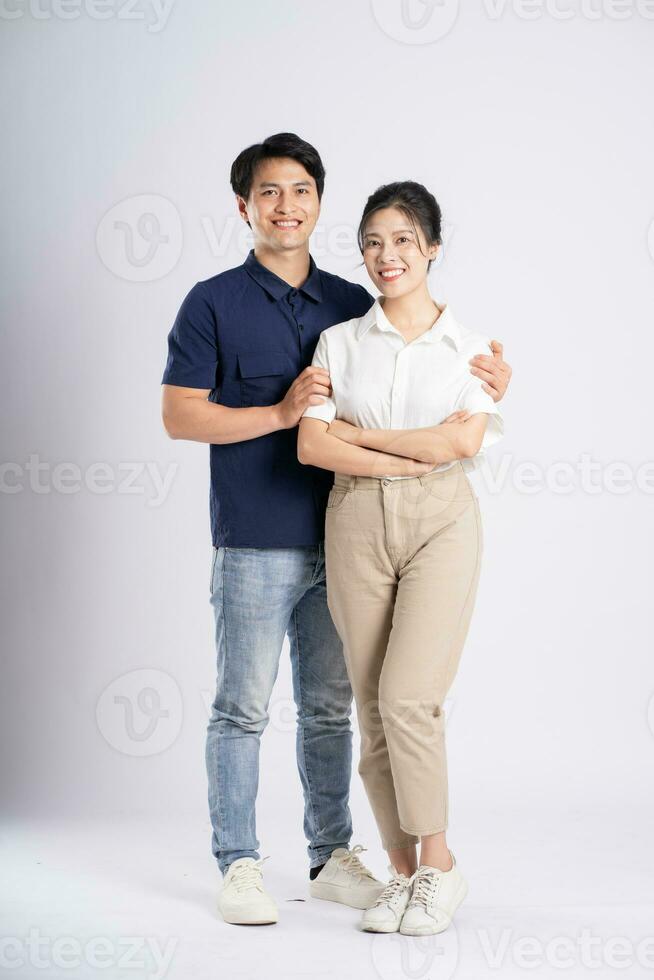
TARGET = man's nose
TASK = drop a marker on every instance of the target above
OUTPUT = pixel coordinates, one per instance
(284, 204)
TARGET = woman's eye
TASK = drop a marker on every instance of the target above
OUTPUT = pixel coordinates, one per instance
(372, 243)
(402, 240)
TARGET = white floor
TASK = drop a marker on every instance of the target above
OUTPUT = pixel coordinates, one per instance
(136, 899)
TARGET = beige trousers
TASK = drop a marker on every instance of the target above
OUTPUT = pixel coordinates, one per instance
(403, 560)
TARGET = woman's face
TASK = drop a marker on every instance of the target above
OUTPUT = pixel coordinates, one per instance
(395, 253)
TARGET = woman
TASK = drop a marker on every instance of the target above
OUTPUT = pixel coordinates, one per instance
(403, 539)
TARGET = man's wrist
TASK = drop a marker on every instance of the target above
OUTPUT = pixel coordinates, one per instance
(276, 417)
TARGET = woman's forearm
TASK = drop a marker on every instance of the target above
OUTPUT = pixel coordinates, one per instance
(434, 444)
(319, 448)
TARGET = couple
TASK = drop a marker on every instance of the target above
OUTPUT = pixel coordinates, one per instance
(371, 573)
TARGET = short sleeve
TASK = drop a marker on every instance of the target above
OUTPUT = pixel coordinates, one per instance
(192, 343)
(473, 398)
(327, 410)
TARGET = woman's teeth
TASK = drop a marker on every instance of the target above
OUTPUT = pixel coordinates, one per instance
(287, 224)
(391, 274)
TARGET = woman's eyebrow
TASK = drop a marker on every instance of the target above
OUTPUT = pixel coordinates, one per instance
(396, 231)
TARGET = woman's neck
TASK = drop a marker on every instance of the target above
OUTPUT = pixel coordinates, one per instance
(412, 314)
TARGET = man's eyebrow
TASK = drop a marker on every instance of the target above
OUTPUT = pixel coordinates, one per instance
(296, 183)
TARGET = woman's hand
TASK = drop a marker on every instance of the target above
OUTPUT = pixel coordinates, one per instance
(344, 431)
(461, 416)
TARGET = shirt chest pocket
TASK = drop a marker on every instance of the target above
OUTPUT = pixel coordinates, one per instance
(264, 376)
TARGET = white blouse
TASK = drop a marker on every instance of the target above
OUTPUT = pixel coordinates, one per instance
(379, 381)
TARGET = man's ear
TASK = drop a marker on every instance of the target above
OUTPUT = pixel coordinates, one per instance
(242, 205)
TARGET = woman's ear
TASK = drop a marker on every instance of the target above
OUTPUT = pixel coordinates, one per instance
(433, 251)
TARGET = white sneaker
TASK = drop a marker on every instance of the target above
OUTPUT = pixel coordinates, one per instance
(435, 897)
(386, 914)
(243, 900)
(346, 880)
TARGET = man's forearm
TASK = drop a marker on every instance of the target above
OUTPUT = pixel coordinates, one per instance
(203, 421)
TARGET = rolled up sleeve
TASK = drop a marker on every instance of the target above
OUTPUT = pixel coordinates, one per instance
(327, 410)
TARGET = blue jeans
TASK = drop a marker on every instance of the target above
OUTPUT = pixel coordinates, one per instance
(258, 595)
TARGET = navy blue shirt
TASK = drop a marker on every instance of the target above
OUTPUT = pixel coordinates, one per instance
(246, 334)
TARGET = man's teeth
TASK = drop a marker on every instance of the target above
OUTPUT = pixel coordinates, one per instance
(392, 274)
(287, 224)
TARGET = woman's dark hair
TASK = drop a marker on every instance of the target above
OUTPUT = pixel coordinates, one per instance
(279, 145)
(417, 203)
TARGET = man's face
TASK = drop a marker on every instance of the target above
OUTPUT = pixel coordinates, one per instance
(283, 205)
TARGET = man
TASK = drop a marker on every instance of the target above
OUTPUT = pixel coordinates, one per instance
(237, 377)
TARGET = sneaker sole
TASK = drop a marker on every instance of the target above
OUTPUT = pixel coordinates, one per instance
(234, 920)
(335, 893)
(434, 931)
(380, 928)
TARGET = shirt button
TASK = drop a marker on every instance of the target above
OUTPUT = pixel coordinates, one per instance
(386, 482)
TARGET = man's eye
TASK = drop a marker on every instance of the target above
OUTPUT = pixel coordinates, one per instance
(303, 190)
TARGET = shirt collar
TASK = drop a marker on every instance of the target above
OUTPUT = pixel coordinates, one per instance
(277, 287)
(445, 326)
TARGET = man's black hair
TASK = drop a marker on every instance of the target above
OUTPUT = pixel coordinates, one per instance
(279, 145)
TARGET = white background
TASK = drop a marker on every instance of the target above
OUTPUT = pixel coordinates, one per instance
(532, 124)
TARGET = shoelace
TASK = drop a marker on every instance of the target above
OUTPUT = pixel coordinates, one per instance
(249, 875)
(350, 862)
(425, 884)
(393, 890)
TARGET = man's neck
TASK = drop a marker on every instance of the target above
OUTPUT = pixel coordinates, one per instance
(291, 266)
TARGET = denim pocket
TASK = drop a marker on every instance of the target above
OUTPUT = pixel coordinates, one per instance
(213, 569)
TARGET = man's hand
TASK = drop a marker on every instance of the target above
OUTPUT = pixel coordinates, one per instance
(310, 387)
(493, 370)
